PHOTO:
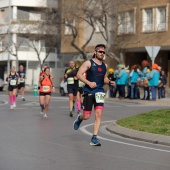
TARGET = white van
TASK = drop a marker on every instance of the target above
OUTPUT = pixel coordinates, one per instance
(63, 88)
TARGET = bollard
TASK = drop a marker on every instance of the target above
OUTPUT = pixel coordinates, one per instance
(35, 90)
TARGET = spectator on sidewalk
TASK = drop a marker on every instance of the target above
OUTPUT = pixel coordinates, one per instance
(121, 76)
(143, 74)
(153, 80)
(161, 89)
(133, 81)
(112, 89)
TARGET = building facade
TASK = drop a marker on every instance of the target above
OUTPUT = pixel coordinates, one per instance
(145, 23)
(26, 37)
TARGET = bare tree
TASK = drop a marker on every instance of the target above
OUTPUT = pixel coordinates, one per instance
(75, 17)
(43, 35)
(108, 16)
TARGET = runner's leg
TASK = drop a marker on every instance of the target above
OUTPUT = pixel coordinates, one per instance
(42, 103)
(78, 103)
(23, 93)
(71, 103)
(11, 99)
(47, 101)
(14, 96)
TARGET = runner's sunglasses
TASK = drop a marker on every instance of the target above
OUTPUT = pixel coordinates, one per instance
(101, 51)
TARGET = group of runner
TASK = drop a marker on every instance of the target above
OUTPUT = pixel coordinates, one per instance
(85, 81)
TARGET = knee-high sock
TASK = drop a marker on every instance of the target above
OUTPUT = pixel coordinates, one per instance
(14, 98)
(78, 105)
(11, 100)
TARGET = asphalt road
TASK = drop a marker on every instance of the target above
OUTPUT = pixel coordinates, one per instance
(30, 142)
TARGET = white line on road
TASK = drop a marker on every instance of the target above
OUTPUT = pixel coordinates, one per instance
(16, 108)
(83, 129)
(5, 102)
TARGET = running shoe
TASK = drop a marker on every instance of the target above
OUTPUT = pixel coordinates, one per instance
(95, 141)
(11, 107)
(14, 104)
(77, 122)
(45, 115)
(71, 114)
(23, 99)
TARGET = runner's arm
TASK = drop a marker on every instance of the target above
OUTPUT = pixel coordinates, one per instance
(83, 68)
(7, 77)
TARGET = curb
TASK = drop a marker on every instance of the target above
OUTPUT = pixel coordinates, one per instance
(138, 135)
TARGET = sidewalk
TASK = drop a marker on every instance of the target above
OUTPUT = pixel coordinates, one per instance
(138, 135)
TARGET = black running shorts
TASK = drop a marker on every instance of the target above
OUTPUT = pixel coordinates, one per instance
(21, 85)
(44, 94)
(11, 88)
(72, 91)
(89, 101)
(80, 89)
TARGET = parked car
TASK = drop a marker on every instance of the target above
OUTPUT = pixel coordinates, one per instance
(1, 84)
(63, 88)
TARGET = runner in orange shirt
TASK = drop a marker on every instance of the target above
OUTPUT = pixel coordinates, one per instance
(46, 87)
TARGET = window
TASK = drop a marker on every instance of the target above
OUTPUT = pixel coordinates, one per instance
(68, 27)
(121, 23)
(161, 18)
(126, 22)
(2, 16)
(154, 19)
(148, 19)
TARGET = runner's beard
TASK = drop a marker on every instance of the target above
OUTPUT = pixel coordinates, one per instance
(101, 59)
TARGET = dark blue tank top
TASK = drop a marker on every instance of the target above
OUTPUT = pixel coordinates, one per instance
(96, 74)
(13, 77)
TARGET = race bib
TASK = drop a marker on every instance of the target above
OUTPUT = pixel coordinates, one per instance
(22, 80)
(100, 97)
(81, 84)
(13, 82)
(46, 88)
(70, 80)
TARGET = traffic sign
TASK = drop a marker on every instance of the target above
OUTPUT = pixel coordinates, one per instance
(152, 51)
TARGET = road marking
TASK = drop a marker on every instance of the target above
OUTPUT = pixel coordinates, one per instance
(16, 108)
(83, 129)
(5, 102)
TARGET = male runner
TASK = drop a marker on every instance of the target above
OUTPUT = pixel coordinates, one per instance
(96, 76)
(72, 85)
(21, 85)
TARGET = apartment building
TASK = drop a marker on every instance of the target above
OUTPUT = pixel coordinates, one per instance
(25, 37)
(145, 23)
